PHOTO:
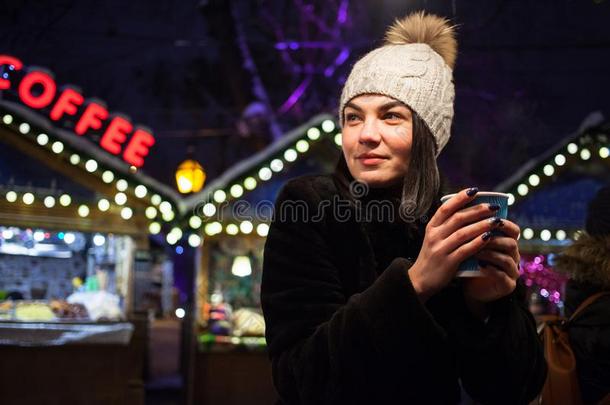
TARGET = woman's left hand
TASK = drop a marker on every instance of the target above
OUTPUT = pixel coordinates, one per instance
(501, 255)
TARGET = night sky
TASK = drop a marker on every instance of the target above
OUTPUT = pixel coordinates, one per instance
(527, 73)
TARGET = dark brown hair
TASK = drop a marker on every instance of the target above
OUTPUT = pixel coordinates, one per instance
(422, 181)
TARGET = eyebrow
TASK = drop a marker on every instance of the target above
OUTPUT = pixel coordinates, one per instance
(392, 104)
(354, 106)
(382, 108)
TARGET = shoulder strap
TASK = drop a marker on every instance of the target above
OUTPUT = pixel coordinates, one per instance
(605, 400)
(586, 303)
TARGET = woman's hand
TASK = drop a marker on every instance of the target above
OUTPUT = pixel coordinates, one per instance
(452, 235)
(499, 263)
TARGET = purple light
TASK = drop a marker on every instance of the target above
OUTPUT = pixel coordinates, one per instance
(539, 274)
(296, 94)
(312, 45)
(281, 46)
(342, 57)
(342, 13)
(339, 60)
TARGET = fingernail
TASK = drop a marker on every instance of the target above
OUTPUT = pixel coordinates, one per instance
(482, 263)
(486, 236)
(472, 191)
(494, 207)
(496, 221)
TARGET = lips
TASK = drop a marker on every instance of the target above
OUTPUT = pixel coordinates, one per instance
(371, 159)
(370, 156)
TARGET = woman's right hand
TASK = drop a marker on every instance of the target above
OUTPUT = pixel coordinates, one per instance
(453, 234)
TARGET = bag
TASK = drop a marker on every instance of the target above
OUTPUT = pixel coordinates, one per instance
(561, 385)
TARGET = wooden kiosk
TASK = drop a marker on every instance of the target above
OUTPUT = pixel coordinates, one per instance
(233, 214)
(96, 198)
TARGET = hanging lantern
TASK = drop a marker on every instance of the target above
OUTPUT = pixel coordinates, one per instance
(241, 266)
(190, 177)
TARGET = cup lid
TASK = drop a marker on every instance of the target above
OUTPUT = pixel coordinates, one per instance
(479, 194)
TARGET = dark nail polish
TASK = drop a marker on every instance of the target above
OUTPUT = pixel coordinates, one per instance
(497, 222)
(472, 191)
(482, 263)
(486, 236)
(494, 207)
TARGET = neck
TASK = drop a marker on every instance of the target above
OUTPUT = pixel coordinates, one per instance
(384, 193)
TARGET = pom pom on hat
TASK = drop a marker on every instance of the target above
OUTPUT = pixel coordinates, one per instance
(428, 29)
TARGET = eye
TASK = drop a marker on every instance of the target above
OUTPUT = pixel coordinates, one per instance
(351, 117)
(393, 116)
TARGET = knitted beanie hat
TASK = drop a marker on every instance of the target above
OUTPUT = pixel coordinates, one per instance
(415, 66)
(598, 214)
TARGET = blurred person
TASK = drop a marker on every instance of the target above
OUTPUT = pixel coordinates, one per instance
(587, 262)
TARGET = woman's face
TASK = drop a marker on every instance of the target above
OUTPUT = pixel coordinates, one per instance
(376, 139)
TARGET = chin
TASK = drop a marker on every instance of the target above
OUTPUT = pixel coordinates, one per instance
(376, 180)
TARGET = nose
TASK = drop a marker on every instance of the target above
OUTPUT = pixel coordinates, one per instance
(369, 133)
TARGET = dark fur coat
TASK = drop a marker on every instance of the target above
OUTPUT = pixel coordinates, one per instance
(344, 325)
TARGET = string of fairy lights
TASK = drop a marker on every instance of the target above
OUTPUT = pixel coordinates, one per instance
(273, 166)
(158, 210)
(587, 147)
(162, 213)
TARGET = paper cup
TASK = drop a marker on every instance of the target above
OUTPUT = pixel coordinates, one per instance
(470, 266)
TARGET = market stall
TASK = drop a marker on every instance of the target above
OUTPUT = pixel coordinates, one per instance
(548, 199)
(76, 212)
(233, 214)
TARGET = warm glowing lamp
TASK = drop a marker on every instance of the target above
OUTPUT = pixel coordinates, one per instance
(190, 177)
(241, 266)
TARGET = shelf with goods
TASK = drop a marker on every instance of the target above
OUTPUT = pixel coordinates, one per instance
(51, 277)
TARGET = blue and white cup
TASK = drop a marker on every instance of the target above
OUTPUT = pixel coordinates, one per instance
(470, 266)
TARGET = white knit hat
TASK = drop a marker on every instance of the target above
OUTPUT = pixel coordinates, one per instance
(415, 66)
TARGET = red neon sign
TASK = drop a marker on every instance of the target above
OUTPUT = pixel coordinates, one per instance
(37, 89)
(67, 103)
(115, 135)
(12, 62)
(91, 119)
(49, 88)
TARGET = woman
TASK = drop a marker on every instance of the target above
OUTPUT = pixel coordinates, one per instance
(361, 306)
(587, 261)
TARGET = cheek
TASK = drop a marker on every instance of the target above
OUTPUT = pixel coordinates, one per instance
(399, 141)
(348, 142)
